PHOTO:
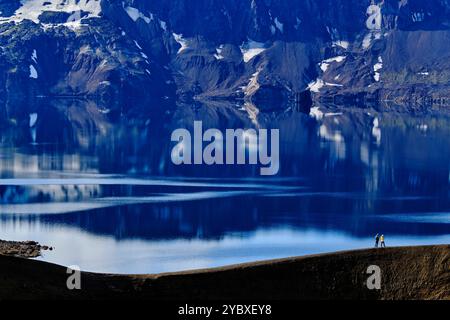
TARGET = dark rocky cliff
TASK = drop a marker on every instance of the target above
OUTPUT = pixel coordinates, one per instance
(260, 51)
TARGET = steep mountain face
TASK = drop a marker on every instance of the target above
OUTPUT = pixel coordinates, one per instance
(264, 52)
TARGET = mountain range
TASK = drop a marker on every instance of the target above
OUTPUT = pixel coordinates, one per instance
(269, 54)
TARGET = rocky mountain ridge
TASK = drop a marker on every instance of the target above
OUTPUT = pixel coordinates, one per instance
(266, 54)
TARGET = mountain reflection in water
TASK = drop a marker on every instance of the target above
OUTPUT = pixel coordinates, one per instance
(104, 192)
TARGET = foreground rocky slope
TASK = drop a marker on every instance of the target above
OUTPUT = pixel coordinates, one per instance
(407, 273)
(26, 249)
(265, 53)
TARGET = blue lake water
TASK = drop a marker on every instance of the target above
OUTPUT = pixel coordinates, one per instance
(108, 198)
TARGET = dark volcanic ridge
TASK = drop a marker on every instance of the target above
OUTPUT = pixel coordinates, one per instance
(406, 273)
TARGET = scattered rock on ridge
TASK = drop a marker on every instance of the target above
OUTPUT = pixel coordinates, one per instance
(25, 249)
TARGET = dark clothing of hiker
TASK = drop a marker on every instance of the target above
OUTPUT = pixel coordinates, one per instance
(377, 239)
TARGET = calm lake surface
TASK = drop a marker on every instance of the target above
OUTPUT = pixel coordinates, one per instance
(107, 197)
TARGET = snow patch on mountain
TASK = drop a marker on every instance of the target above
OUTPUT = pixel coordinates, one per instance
(181, 41)
(367, 41)
(135, 15)
(251, 49)
(316, 85)
(326, 63)
(163, 25)
(218, 55)
(32, 9)
(342, 44)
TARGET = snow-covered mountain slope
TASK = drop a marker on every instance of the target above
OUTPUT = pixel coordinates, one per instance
(263, 52)
(33, 9)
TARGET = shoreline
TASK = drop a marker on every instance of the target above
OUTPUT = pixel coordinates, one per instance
(22, 249)
(407, 273)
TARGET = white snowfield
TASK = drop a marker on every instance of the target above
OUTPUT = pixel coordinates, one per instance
(135, 15)
(318, 84)
(181, 41)
(326, 63)
(251, 49)
(32, 9)
(342, 44)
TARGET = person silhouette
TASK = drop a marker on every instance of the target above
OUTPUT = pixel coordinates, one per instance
(377, 239)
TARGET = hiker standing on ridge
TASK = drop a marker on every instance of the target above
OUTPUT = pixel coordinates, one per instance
(377, 239)
(382, 244)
